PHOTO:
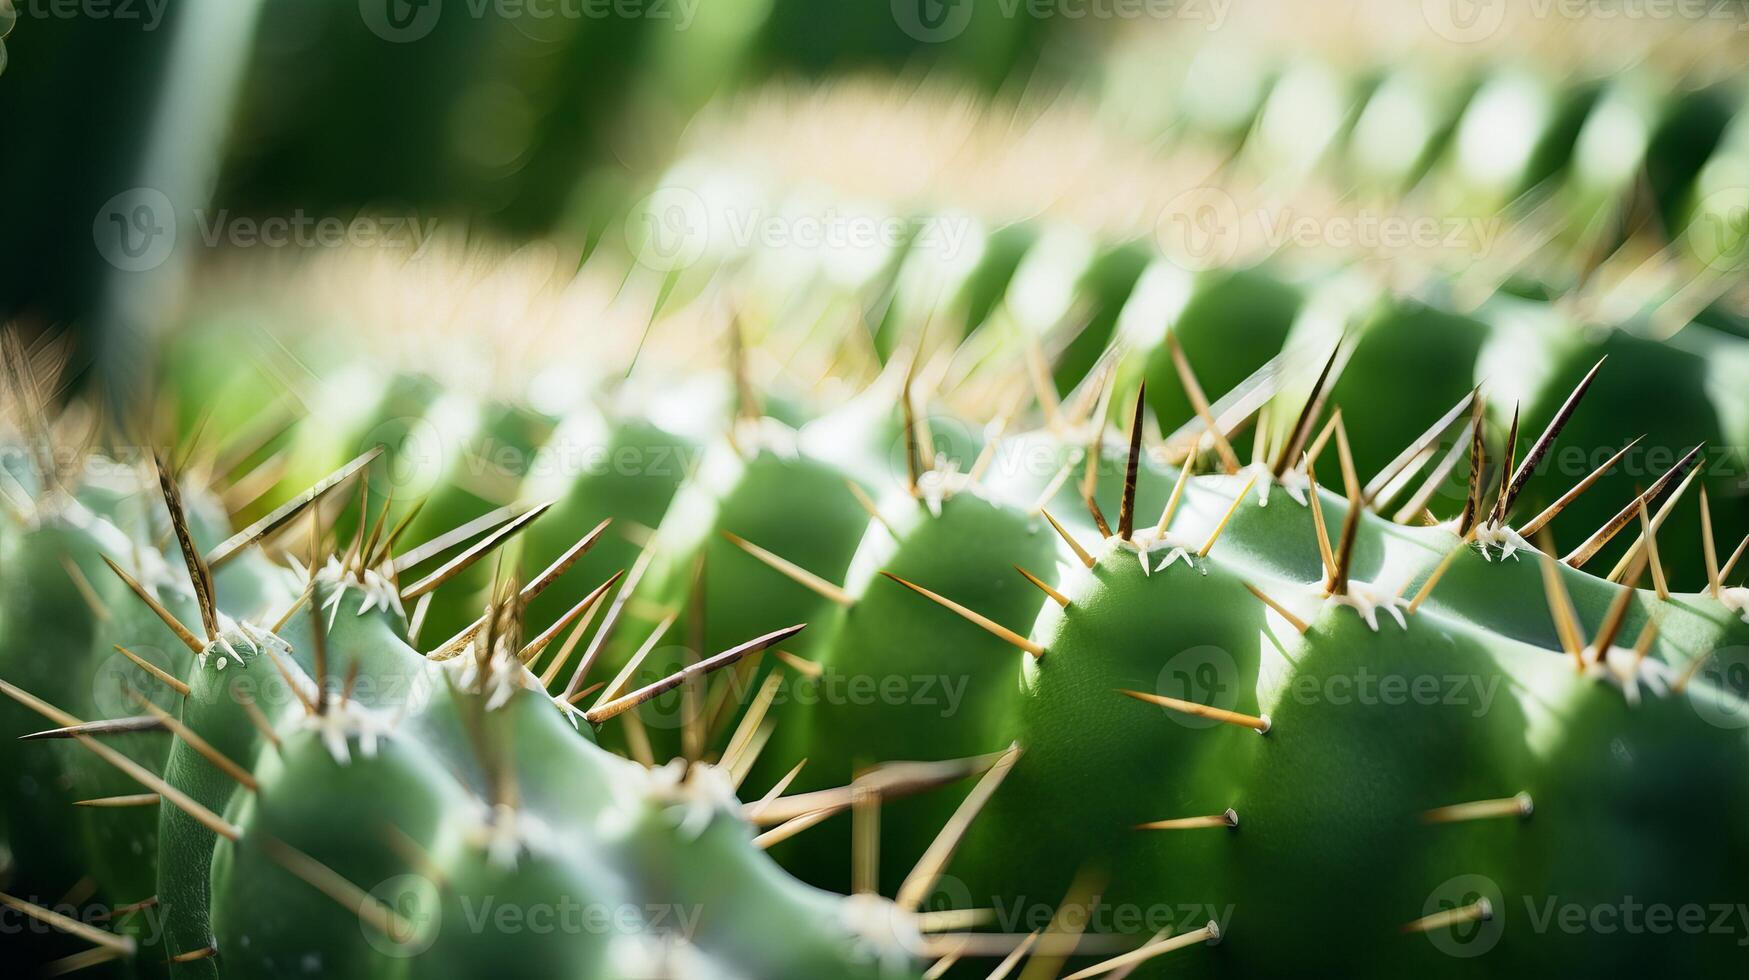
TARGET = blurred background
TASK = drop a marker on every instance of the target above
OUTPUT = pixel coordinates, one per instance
(538, 175)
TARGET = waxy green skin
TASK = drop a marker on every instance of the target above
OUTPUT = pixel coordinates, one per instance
(1329, 802)
(933, 685)
(795, 506)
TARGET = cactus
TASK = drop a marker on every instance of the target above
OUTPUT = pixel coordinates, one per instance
(1145, 647)
(373, 796)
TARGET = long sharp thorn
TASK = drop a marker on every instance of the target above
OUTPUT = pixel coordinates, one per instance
(563, 657)
(1012, 960)
(1433, 578)
(1731, 566)
(455, 566)
(776, 790)
(1518, 805)
(368, 552)
(1126, 512)
(1478, 461)
(1337, 584)
(424, 552)
(370, 910)
(1708, 548)
(1257, 723)
(1617, 616)
(1227, 819)
(1095, 452)
(1543, 442)
(636, 660)
(891, 779)
(1069, 539)
(610, 619)
(153, 669)
(1228, 516)
(1436, 478)
(182, 632)
(1326, 554)
(1658, 519)
(287, 512)
(790, 570)
(140, 774)
(921, 881)
(979, 620)
(1056, 597)
(1210, 933)
(114, 802)
(200, 745)
(1610, 529)
(748, 727)
(908, 418)
(82, 585)
(533, 647)
(793, 826)
(1479, 911)
(1541, 520)
(1177, 495)
(1650, 534)
(198, 572)
(108, 726)
(319, 649)
(1302, 430)
(1098, 515)
(1422, 443)
(1561, 610)
(563, 563)
(119, 945)
(257, 717)
(602, 713)
(1200, 402)
(387, 552)
(1299, 625)
(1501, 499)
(869, 505)
(1316, 449)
